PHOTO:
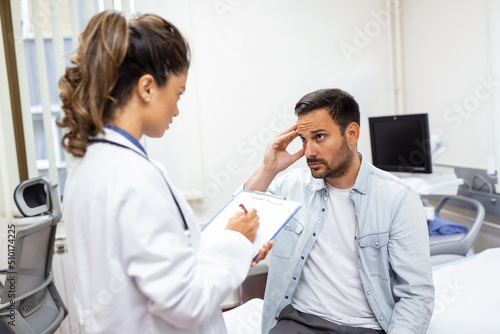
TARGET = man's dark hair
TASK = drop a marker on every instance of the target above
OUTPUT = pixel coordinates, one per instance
(342, 106)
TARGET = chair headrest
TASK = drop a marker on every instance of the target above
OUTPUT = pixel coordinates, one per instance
(32, 197)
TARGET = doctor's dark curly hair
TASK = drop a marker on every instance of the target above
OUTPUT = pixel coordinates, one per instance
(113, 54)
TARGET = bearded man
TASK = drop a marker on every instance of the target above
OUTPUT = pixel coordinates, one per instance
(355, 258)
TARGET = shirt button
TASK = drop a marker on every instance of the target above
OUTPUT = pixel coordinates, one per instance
(381, 318)
(323, 209)
(367, 292)
(295, 278)
(314, 234)
(286, 297)
(287, 225)
(376, 243)
(302, 257)
(275, 318)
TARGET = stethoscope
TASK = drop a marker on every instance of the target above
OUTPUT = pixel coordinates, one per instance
(186, 228)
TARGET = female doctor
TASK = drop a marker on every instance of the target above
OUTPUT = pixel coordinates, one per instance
(140, 261)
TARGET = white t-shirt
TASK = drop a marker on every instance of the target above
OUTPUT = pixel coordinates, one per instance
(330, 285)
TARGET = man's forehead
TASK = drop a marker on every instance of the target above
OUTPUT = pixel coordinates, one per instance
(306, 125)
(314, 121)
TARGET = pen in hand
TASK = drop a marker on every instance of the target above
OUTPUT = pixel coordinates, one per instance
(243, 208)
(247, 223)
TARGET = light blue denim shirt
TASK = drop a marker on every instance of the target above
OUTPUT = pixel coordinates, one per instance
(392, 245)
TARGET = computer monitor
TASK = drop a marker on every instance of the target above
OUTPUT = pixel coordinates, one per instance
(401, 143)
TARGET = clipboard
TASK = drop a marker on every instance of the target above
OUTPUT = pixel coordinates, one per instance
(273, 211)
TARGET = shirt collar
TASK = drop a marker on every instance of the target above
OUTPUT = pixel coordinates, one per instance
(318, 184)
(361, 184)
(126, 135)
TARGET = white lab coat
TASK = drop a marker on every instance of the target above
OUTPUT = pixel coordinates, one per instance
(136, 270)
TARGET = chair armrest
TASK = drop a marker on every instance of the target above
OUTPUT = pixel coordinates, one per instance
(468, 240)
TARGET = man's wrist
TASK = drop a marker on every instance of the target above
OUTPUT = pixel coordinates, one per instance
(261, 179)
(268, 173)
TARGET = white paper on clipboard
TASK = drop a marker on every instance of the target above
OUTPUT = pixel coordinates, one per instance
(273, 211)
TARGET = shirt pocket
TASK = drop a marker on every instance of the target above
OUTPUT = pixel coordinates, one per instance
(287, 238)
(374, 248)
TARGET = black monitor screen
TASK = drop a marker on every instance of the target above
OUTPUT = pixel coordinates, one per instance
(401, 143)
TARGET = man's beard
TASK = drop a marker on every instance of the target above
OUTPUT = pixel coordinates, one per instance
(338, 166)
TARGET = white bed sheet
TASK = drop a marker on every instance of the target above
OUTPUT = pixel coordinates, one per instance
(467, 299)
(468, 295)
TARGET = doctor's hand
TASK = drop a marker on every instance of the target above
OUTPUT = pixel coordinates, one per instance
(263, 253)
(276, 158)
(245, 223)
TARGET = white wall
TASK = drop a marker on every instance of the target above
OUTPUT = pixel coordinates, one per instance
(446, 74)
(252, 61)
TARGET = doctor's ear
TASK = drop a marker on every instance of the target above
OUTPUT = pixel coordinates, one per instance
(352, 133)
(145, 87)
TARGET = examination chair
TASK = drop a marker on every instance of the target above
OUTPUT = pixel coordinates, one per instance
(446, 248)
(29, 299)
